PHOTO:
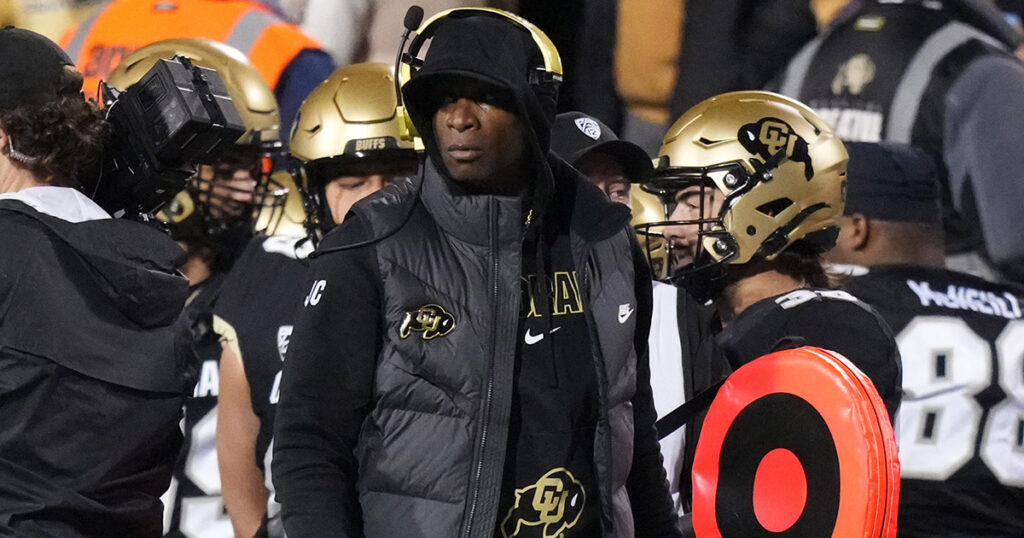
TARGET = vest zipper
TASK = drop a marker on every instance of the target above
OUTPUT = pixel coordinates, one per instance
(603, 479)
(490, 378)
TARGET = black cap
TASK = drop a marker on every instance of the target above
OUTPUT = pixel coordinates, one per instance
(576, 134)
(889, 181)
(30, 68)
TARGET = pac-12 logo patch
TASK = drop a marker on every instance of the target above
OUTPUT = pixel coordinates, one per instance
(554, 502)
(431, 320)
(588, 127)
(769, 136)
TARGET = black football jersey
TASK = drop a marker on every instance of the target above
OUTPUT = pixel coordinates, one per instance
(961, 425)
(829, 319)
(260, 301)
(193, 506)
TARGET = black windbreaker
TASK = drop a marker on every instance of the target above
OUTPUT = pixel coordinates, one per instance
(94, 365)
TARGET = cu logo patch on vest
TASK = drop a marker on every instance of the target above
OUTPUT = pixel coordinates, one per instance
(430, 320)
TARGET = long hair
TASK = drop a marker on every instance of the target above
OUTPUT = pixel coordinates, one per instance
(61, 138)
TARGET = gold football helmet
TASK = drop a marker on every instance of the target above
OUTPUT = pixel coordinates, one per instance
(204, 215)
(350, 124)
(770, 172)
(249, 93)
(649, 211)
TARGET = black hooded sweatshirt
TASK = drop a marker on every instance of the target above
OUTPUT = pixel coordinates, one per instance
(95, 361)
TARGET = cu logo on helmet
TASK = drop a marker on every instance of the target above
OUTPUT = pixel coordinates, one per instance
(430, 320)
(769, 136)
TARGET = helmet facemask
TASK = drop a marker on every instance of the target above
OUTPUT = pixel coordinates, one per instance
(238, 192)
(698, 245)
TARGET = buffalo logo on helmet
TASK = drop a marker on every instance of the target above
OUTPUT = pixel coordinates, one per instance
(588, 127)
(431, 320)
(554, 502)
(769, 136)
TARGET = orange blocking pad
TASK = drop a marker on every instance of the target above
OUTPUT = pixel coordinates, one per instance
(796, 443)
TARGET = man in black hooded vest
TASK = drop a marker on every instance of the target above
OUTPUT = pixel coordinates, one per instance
(471, 357)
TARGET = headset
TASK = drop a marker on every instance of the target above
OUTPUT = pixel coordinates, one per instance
(409, 60)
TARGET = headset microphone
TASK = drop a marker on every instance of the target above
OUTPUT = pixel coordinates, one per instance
(413, 18)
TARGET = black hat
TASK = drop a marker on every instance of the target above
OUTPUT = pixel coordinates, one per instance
(889, 181)
(576, 134)
(31, 67)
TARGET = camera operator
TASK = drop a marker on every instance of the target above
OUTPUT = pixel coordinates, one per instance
(95, 357)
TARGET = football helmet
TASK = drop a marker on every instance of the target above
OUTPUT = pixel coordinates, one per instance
(213, 205)
(767, 172)
(649, 210)
(349, 125)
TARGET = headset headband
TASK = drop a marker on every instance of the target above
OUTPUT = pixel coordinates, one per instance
(552, 71)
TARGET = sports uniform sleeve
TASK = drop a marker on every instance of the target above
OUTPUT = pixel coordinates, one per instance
(326, 392)
(984, 111)
(653, 514)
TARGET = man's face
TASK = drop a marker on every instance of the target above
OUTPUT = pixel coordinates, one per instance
(607, 173)
(684, 238)
(344, 191)
(228, 190)
(482, 144)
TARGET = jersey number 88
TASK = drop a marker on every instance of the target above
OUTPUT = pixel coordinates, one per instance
(945, 364)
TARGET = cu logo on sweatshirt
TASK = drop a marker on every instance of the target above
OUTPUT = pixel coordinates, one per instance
(554, 502)
(431, 320)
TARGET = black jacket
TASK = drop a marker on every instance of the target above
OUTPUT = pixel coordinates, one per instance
(410, 439)
(95, 361)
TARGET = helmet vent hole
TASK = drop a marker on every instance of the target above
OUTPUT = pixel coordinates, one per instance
(773, 208)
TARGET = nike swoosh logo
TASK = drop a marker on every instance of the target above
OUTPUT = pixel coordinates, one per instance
(623, 316)
(531, 339)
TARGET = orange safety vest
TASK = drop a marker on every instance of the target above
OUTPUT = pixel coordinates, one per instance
(106, 37)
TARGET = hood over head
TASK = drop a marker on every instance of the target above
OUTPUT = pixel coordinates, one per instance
(488, 49)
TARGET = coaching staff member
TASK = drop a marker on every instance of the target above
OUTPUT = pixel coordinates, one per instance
(93, 364)
(434, 385)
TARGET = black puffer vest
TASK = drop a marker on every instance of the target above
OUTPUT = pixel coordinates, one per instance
(432, 449)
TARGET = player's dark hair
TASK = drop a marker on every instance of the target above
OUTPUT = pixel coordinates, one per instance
(804, 268)
(62, 137)
(800, 261)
